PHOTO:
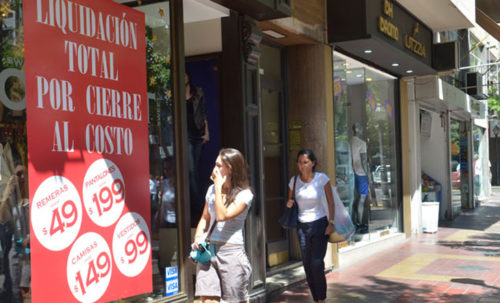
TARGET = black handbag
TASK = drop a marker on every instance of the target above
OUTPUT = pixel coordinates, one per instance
(290, 216)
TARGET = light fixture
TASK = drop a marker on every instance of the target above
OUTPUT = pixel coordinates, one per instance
(409, 71)
(348, 71)
(368, 51)
(346, 64)
(395, 64)
(368, 79)
(273, 34)
(359, 75)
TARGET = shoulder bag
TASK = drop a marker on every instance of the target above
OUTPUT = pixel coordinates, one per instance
(290, 216)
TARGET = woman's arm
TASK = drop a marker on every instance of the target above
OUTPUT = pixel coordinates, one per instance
(331, 208)
(289, 203)
(203, 225)
(223, 213)
(329, 198)
(206, 136)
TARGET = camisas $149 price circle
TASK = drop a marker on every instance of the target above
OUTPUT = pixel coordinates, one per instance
(103, 192)
(56, 213)
(89, 267)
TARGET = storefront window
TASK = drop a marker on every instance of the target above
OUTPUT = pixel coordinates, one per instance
(366, 146)
(480, 164)
(162, 164)
(14, 212)
(459, 165)
(14, 205)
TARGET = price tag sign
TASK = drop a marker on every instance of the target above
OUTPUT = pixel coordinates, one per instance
(56, 213)
(104, 192)
(89, 267)
(87, 102)
(131, 244)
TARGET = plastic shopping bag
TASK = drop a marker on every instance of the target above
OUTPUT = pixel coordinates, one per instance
(344, 228)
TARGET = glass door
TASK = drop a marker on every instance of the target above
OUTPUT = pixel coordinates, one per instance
(459, 166)
(274, 154)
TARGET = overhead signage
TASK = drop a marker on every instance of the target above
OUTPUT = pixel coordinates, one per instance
(399, 26)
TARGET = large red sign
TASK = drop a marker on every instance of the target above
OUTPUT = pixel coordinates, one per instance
(87, 149)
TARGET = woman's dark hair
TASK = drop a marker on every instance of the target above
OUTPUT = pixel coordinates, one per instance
(192, 88)
(233, 159)
(309, 153)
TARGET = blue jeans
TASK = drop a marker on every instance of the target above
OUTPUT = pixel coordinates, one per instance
(313, 242)
(197, 202)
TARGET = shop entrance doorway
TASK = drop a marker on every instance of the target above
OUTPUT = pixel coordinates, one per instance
(459, 165)
(274, 154)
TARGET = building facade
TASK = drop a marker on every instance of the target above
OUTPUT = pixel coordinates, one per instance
(356, 82)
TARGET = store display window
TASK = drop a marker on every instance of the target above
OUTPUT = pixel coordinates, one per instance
(14, 201)
(162, 164)
(480, 164)
(366, 145)
(15, 258)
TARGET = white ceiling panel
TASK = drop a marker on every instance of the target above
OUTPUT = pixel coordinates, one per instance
(442, 15)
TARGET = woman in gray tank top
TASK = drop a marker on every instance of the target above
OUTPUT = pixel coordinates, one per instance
(227, 201)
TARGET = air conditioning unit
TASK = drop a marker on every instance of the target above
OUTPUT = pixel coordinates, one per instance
(445, 56)
(474, 85)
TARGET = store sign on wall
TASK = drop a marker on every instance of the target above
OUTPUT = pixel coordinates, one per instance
(87, 150)
(387, 26)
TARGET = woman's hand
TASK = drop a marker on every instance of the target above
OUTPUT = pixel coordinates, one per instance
(329, 229)
(217, 178)
(205, 138)
(289, 203)
(195, 246)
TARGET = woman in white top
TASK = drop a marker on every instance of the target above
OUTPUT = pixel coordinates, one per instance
(227, 275)
(313, 227)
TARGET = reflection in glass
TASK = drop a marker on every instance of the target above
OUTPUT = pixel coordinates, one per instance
(162, 181)
(480, 165)
(455, 165)
(15, 273)
(365, 145)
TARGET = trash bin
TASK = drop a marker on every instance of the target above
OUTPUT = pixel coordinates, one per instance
(430, 217)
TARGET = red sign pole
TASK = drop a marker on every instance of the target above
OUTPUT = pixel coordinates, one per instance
(87, 150)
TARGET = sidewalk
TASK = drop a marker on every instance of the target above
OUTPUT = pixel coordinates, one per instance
(459, 263)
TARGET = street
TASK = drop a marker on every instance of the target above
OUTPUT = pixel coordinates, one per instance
(459, 263)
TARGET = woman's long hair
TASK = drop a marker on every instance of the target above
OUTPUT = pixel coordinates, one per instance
(192, 89)
(233, 159)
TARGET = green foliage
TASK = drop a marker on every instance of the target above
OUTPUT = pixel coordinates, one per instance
(158, 66)
(494, 100)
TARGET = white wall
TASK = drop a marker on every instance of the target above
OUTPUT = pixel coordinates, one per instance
(203, 37)
(434, 157)
(414, 158)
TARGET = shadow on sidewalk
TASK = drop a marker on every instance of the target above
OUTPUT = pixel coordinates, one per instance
(386, 291)
(487, 244)
(381, 290)
(474, 282)
(480, 218)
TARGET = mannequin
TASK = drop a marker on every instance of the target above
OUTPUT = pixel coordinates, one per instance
(362, 177)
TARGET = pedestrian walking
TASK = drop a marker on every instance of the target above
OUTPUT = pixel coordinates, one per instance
(228, 200)
(313, 226)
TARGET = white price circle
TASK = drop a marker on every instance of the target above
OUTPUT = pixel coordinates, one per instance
(131, 244)
(103, 192)
(56, 213)
(89, 267)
